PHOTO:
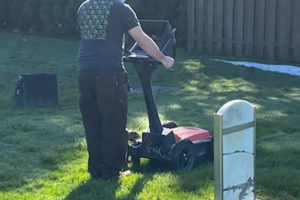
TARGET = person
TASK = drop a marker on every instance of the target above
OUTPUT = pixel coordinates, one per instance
(102, 80)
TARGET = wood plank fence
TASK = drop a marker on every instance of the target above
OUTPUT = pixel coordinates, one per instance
(261, 29)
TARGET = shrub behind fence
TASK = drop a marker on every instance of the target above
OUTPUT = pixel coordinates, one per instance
(58, 17)
(48, 17)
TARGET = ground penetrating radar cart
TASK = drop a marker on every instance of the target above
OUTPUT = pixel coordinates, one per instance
(179, 145)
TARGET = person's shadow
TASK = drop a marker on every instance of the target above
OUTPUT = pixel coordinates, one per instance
(95, 190)
(107, 189)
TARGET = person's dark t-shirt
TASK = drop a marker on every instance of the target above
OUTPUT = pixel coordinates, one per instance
(102, 24)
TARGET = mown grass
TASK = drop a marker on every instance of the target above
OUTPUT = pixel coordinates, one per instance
(43, 151)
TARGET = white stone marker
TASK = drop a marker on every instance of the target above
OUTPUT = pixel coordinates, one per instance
(234, 151)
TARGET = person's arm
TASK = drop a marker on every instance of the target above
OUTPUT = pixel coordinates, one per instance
(150, 47)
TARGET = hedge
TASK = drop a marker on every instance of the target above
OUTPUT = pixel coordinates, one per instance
(57, 18)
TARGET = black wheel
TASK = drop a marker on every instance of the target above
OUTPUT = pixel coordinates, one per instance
(133, 136)
(169, 124)
(184, 155)
(136, 162)
(133, 154)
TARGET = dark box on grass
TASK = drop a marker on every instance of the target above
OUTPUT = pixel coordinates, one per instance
(36, 90)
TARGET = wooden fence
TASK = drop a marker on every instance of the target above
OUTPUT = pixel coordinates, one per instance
(262, 29)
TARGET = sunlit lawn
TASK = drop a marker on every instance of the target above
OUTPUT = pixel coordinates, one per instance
(43, 151)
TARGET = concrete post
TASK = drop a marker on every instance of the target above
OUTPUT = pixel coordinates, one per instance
(234, 151)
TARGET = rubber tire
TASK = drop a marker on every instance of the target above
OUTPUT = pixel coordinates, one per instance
(184, 155)
(170, 124)
(136, 162)
(132, 136)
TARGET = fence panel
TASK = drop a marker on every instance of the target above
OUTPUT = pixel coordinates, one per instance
(239, 27)
(191, 24)
(296, 31)
(228, 26)
(219, 25)
(200, 16)
(249, 26)
(263, 29)
(285, 9)
(259, 29)
(209, 25)
(270, 28)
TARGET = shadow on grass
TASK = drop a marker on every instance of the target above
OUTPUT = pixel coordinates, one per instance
(199, 177)
(277, 164)
(36, 142)
(108, 189)
(211, 84)
(277, 97)
(137, 187)
(95, 189)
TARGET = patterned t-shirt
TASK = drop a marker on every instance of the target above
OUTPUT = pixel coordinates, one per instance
(102, 24)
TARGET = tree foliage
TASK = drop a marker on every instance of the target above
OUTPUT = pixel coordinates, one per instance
(58, 17)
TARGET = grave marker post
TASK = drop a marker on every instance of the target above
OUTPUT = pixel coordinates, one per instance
(234, 151)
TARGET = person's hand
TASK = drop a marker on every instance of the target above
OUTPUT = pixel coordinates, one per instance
(168, 62)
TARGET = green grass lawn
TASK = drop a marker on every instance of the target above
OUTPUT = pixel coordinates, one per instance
(43, 152)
